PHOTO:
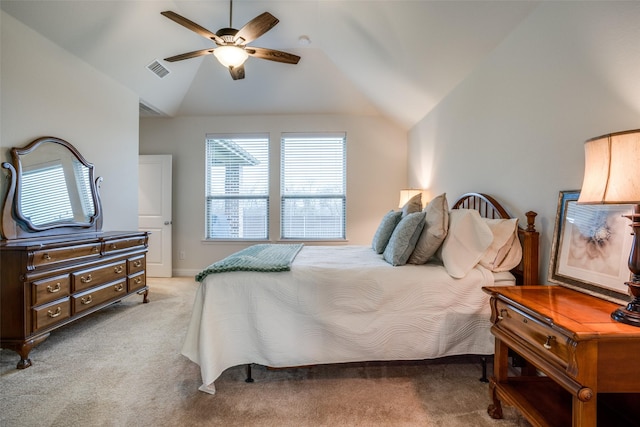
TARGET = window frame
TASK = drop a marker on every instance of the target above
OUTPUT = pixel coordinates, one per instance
(211, 197)
(286, 196)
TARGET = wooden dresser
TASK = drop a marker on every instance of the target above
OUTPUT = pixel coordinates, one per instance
(49, 282)
(582, 366)
(56, 263)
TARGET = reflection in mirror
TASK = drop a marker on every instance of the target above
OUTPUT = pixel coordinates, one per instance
(52, 191)
(55, 187)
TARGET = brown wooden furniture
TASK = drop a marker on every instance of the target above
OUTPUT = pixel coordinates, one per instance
(47, 283)
(56, 265)
(582, 366)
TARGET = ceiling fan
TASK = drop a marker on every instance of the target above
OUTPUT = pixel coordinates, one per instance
(232, 50)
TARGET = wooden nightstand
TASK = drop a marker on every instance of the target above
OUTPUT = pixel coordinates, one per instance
(583, 368)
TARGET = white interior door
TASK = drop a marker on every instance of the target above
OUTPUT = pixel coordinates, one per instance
(154, 211)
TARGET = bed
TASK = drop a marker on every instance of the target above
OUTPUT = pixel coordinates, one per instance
(338, 304)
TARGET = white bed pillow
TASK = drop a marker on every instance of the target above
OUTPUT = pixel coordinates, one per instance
(468, 238)
(505, 251)
(404, 238)
(384, 231)
(434, 231)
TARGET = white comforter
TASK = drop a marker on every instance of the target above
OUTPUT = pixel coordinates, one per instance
(337, 304)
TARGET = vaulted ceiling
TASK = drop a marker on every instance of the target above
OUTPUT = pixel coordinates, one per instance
(395, 58)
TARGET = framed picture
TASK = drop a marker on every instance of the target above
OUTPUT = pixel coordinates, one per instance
(591, 247)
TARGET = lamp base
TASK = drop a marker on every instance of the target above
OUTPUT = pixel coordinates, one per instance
(631, 313)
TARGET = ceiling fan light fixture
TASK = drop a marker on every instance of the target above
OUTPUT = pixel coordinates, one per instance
(231, 56)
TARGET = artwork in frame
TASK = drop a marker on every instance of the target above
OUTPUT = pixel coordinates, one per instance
(591, 247)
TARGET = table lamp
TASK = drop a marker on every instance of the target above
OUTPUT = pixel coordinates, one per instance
(612, 176)
(406, 195)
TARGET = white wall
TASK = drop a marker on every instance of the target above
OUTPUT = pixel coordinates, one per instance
(376, 171)
(46, 91)
(515, 128)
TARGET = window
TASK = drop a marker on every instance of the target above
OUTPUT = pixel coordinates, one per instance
(237, 187)
(313, 186)
(45, 198)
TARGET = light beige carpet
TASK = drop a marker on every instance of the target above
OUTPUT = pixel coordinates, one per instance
(123, 367)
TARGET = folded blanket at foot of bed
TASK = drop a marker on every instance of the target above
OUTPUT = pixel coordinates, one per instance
(263, 257)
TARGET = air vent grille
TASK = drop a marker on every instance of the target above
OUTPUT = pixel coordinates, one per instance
(158, 69)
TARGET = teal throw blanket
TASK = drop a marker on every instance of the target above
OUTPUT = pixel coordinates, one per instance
(264, 257)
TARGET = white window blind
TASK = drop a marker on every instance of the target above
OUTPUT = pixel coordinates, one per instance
(237, 186)
(45, 197)
(313, 186)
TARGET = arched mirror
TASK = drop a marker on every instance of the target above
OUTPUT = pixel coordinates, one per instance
(52, 191)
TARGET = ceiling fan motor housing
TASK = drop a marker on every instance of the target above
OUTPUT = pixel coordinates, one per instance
(227, 34)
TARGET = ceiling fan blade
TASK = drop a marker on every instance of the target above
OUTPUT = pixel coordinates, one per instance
(192, 26)
(237, 73)
(272, 55)
(188, 55)
(255, 28)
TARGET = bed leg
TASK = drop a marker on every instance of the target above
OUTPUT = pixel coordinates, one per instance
(249, 378)
(484, 378)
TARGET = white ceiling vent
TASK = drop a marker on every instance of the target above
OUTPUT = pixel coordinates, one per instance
(158, 69)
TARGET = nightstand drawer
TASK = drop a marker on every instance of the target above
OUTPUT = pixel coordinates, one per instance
(539, 336)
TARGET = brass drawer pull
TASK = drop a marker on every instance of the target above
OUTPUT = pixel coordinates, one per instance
(53, 314)
(547, 344)
(95, 249)
(54, 289)
(119, 287)
(113, 246)
(137, 264)
(46, 256)
(87, 279)
(137, 280)
(503, 314)
(87, 300)
(118, 269)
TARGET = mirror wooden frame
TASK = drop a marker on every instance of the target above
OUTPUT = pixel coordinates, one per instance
(16, 225)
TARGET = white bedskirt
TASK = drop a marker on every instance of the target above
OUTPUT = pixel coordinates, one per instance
(337, 304)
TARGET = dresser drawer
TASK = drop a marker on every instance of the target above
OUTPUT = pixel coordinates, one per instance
(50, 313)
(137, 281)
(58, 255)
(539, 336)
(117, 245)
(96, 296)
(49, 289)
(85, 279)
(136, 264)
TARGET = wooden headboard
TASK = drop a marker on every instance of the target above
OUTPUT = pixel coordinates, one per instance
(527, 272)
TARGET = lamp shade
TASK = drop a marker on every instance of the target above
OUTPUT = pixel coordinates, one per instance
(406, 195)
(231, 56)
(612, 169)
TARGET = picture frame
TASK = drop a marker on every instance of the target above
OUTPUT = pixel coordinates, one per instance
(590, 248)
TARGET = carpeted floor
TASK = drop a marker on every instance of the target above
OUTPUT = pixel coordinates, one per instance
(122, 367)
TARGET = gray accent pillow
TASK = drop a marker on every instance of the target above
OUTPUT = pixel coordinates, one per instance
(434, 232)
(384, 231)
(414, 204)
(404, 238)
